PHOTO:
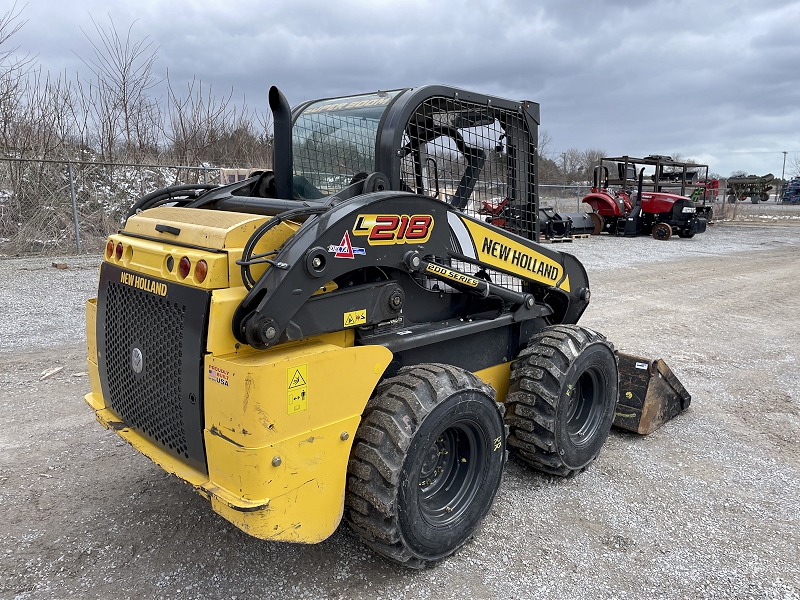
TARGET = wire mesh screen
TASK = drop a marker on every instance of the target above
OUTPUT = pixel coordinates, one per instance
(469, 155)
(334, 140)
(477, 158)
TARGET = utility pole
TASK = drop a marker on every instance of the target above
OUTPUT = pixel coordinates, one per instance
(783, 182)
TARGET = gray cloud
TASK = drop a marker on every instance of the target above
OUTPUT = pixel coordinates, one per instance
(714, 80)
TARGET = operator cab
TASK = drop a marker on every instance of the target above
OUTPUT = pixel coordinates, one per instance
(467, 152)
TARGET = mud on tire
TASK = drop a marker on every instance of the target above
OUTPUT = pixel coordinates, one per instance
(426, 463)
(561, 399)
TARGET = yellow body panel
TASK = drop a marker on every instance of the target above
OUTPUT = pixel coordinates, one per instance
(497, 376)
(150, 259)
(227, 232)
(95, 398)
(247, 396)
(207, 228)
(277, 475)
(299, 497)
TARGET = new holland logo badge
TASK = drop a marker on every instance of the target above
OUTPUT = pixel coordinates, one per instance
(345, 249)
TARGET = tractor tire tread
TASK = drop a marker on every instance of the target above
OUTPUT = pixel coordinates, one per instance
(392, 416)
(534, 392)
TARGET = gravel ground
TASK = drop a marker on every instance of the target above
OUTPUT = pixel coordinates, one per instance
(706, 507)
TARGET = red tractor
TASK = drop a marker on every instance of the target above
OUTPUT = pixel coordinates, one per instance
(659, 213)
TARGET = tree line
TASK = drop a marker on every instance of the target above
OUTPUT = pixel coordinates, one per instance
(114, 114)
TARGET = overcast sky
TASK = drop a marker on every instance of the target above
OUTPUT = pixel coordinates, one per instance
(716, 81)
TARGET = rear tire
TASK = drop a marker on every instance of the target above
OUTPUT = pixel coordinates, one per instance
(561, 399)
(426, 464)
(662, 231)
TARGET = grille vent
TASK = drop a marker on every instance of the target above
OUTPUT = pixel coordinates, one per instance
(149, 402)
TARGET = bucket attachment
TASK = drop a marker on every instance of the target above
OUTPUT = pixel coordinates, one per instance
(649, 394)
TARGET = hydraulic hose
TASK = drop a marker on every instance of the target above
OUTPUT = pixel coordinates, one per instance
(166, 193)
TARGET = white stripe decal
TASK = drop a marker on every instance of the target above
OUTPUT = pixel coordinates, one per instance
(462, 235)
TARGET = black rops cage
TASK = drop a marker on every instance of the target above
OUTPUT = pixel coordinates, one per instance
(475, 152)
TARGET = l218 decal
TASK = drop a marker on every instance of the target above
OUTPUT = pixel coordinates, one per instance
(385, 230)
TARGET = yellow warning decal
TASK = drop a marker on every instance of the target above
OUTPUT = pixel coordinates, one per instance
(297, 388)
(504, 253)
(452, 275)
(355, 318)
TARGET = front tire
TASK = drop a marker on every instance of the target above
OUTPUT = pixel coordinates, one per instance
(561, 399)
(426, 464)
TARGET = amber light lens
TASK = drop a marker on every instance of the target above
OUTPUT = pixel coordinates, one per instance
(200, 271)
(184, 267)
(109, 248)
(119, 251)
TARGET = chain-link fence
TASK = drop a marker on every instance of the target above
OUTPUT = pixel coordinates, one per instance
(56, 207)
(51, 206)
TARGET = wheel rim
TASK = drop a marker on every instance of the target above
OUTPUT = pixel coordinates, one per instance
(452, 472)
(584, 409)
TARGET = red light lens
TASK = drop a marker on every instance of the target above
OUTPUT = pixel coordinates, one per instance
(119, 251)
(200, 271)
(109, 248)
(184, 267)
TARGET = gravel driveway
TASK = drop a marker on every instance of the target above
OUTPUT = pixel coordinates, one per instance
(706, 507)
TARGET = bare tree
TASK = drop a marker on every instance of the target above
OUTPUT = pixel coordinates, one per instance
(207, 129)
(590, 159)
(11, 64)
(544, 142)
(118, 96)
(13, 71)
(196, 121)
(793, 168)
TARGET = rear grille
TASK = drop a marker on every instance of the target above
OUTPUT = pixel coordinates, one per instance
(149, 401)
(163, 325)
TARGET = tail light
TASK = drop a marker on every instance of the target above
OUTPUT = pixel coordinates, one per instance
(184, 266)
(119, 251)
(200, 271)
(109, 248)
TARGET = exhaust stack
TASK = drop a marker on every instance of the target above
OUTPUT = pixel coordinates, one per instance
(282, 145)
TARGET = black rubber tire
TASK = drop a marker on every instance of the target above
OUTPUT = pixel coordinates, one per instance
(662, 231)
(426, 463)
(561, 399)
(685, 235)
(753, 199)
(764, 196)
